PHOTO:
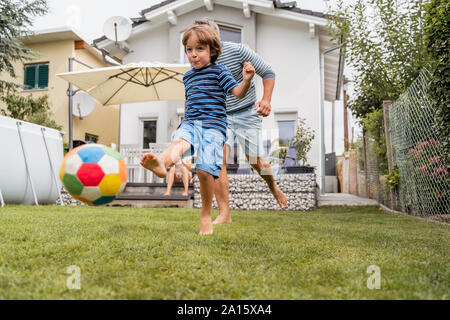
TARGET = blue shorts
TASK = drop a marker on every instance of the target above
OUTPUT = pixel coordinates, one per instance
(207, 143)
(246, 126)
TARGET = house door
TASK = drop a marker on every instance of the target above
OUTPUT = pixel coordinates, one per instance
(148, 132)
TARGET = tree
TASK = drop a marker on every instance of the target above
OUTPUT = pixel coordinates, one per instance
(15, 19)
(384, 40)
(437, 31)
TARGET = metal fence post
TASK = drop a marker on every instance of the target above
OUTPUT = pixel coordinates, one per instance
(387, 135)
(366, 165)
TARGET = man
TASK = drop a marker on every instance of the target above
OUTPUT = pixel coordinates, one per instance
(244, 117)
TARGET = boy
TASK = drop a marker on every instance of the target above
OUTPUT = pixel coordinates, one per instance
(203, 129)
(244, 121)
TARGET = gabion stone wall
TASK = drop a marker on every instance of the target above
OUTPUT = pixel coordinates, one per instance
(68, 200)
(250, 192)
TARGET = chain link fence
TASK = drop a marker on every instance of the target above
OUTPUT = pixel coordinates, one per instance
(424, 187)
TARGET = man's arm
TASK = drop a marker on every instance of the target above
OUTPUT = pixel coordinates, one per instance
(265, 71)
(263, 106)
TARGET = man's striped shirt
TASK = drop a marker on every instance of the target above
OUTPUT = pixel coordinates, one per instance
(233, 56)
(206, 91)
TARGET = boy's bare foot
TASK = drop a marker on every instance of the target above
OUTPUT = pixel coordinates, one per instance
(206, 227)
(184, 194)
(221, 218)
(280, 197)
(167, 193)
(154, 164)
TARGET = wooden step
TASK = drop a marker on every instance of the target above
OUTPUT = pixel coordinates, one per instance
(150, 195)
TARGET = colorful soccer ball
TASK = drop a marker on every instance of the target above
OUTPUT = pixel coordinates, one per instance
(93, 173)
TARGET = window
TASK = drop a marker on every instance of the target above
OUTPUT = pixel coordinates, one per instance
(149, 133)
(36, 76)
(230, 34)
(90, 138)
(286, 130)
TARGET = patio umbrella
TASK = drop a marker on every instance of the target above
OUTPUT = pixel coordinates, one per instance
(136, 82)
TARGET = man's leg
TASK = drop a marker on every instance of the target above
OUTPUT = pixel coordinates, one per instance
(170, 180)
(221, 189)
(265, 171)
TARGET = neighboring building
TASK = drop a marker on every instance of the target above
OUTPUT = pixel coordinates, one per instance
(54, 47)
(290, 39)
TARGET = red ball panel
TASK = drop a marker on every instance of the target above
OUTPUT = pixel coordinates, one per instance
(90, 174)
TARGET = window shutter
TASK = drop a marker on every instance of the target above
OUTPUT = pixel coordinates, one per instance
(30, 77)
(43, 76)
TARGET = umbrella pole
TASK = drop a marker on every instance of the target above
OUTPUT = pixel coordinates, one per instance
(70, 93)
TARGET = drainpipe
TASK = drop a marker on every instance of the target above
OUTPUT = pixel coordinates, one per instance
(322, 115)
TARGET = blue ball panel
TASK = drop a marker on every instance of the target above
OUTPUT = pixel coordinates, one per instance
(91, 154)
(103, 200)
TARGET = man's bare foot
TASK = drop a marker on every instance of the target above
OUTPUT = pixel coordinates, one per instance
(184, 194)
(206, 227)
(167, 193)
(280, 197)
(153, 163)
(222, 219)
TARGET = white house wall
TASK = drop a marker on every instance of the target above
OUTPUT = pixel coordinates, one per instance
(151, 45)
(286, 45)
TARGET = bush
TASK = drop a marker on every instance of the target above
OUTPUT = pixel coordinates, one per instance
(34, 110)
(374, 124)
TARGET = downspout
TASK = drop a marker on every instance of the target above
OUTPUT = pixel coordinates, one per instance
(322, 115)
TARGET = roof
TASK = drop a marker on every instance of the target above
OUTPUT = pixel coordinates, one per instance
(54, 34)
(289, 10)
(277, 4)
(291, 7)
(59, 34)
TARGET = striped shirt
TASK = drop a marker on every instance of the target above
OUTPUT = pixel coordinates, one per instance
(233, 56)
(206, 91)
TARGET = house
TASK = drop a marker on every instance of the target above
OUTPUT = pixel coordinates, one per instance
(290, 39)
(54, 48)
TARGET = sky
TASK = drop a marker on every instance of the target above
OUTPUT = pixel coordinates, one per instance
(87, 18)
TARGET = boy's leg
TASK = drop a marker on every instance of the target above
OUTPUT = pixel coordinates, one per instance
(159, 164)
(208, 166)
(206, 192)
(221, 191)
(170, 180)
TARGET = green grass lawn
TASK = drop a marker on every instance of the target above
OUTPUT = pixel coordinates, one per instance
(128, 253)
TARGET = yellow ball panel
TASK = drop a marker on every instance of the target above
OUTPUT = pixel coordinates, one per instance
(110, 184)
(62, 169)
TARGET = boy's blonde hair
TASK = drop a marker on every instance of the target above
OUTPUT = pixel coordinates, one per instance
(206, 35)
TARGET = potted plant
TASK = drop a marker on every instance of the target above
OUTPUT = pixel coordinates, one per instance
(296, 158)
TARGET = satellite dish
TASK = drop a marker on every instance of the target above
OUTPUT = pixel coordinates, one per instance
(117, 28)
(83, 104)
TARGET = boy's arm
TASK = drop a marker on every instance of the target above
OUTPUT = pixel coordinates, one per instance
(247, 74)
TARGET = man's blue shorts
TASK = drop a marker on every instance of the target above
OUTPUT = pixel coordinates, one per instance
(207, 143)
